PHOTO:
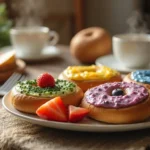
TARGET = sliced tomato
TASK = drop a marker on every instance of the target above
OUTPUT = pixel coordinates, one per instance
(77, 113)
(53, 110)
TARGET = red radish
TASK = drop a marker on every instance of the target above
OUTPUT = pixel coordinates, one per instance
(53, 110)
(45, 80)
(77, 113)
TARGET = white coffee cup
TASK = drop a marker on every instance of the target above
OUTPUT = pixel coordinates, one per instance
(29, 42)
(132, 50)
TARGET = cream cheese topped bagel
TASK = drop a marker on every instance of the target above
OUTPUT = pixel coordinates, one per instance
(141, 77)
(27, 96)
(118, 102)
(90, 76)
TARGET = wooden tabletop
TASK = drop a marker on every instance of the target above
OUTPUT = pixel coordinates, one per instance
(63, 139)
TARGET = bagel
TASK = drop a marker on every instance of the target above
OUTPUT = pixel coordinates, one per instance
(5, 75)
(7, 65)
(27, 97)
(141, 77)
(7, 61)
(89, 76)
(91, 43)
(133, 106)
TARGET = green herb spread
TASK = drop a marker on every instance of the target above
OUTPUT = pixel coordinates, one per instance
(62, 87)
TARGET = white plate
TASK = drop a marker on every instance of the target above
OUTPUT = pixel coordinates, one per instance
(85, 125)
(48, 52)
(110, 61)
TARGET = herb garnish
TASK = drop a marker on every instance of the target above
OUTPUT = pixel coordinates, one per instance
(62, 87)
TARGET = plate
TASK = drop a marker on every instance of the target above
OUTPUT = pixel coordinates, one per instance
(48, 52)
(86, 124)
(110, 61)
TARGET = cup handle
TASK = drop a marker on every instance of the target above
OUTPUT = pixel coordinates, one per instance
(55, 38)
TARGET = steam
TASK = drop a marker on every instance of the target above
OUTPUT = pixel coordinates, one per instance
(137, 23)
(30, 12)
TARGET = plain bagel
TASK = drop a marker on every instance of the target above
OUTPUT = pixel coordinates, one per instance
(91, 43)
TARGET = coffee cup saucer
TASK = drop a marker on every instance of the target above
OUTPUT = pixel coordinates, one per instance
(47, 53)
(110, 61)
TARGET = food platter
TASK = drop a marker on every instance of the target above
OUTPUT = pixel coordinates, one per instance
(87, 124)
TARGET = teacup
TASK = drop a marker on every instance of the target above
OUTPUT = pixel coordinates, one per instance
(132, 50)
(29, 42)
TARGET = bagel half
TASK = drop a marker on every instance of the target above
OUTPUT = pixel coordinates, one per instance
(85, 85)
(131, 114)
(127, 78)
(29, 103)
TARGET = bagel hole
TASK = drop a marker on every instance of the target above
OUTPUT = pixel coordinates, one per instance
(88, 34)
(123, 91)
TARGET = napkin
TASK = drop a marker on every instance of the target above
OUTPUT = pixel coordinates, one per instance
(17, 134)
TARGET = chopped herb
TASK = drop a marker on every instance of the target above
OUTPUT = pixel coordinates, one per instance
(30, 87)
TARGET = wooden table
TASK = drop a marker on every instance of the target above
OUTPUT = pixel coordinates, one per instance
(30, 136)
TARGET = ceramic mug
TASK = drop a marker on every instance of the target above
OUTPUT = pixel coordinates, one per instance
(132, 50)
(29, 42)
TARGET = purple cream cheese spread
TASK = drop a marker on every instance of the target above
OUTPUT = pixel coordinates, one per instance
(102, 95)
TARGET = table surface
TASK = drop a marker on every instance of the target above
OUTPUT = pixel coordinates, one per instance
(62, 139)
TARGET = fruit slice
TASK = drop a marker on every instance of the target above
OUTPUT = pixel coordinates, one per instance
(7, 58)
(53, 110)
(77, 113)
(45, 80)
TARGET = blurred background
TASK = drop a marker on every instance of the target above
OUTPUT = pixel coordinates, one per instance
(67, 17)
